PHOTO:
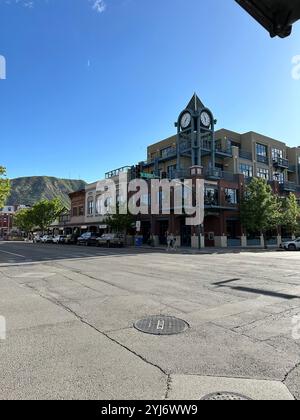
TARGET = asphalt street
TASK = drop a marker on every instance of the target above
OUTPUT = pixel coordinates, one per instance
(70, 314)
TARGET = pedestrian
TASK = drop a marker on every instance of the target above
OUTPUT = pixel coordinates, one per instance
(174, 243)
(168, 241)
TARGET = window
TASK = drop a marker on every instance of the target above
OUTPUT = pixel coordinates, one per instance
(262, 153)
(279, 177)
(231, 196)
(90, 206)
(277, 153)
(261, 150)
(211, 197)
(263, 173)
(246, 170)
(81, 211)
(171, 170)
(75, 211)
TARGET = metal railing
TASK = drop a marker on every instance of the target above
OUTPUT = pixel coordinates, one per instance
(262, 159)
(289, 186)
(245, 155)
(117, 172)
(280, 162)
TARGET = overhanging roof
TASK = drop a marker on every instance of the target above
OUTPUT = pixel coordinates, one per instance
(276, 16)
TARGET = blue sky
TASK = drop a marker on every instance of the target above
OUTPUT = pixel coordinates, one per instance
(88, 89)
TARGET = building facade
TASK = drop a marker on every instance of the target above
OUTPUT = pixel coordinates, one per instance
(226, 160)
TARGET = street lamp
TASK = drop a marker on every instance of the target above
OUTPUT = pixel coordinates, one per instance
(276, 16)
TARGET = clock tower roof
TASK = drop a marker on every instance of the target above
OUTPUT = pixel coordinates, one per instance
(195, 104)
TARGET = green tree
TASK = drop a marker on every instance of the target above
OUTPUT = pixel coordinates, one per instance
(24, 220)
(45, 212)
(4, 186)
(290, 214)
(260, 208)
(120, 222)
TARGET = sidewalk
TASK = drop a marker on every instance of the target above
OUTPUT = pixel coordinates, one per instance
(211, 251)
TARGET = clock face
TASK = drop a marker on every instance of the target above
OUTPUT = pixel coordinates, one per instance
(186, 120)
(205, 119)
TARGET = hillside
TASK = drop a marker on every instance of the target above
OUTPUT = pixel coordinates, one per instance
(29, 190)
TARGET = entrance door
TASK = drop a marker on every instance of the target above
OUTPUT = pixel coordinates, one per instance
(186, 233)
(163, 229)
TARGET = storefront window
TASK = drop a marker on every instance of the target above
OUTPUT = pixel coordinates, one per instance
(231, 196)
(211, 197)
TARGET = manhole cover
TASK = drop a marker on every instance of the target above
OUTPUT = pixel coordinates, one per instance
(161, 325)
(225, 396)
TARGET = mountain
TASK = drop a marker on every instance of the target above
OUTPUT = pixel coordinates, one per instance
(29, 190)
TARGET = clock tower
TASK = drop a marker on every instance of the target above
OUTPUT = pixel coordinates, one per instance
(195, 134)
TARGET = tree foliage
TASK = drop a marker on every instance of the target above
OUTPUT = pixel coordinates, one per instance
(40, 216)
(290, 214)
(260, 208)
(119, 222)
(45, 212)
(4, 186)
(24, 220)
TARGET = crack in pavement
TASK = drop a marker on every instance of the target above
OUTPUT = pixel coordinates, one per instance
(85, 322)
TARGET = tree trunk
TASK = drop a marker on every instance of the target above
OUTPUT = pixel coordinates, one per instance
(265, 240)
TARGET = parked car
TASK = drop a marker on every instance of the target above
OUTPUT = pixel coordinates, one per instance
(59, 239)
(71, 239)
(111, 240)
(87, 239)
(291, 245)
(47, 239)
(37, 238)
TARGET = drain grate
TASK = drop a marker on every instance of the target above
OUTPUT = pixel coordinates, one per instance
(225, 396)
(161, 325)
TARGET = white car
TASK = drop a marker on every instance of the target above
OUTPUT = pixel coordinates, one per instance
(291, 245)
(59, 239)
(47, 239)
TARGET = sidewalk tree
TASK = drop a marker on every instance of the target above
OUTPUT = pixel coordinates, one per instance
(45, 212)
(4, 186)
(23, 219)
(290, 214)
(260, 208)
(120, 222)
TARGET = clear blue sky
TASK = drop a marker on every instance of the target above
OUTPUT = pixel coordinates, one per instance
(88, 90)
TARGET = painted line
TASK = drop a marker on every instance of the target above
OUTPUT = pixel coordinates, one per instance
(11, 253)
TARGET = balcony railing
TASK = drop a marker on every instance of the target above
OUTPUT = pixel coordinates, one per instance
(292, 168)
(217, 173)
(224, 151)
(245, 155)
(289, 186)
(263, 159)
(281, 163)
(117, 172)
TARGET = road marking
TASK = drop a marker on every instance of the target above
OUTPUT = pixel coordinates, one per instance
(11, 253)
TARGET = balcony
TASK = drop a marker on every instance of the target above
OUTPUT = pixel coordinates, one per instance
(263, 159)
(292, 168)
(223, 152)
(117, 172)
(245, 155)
(216, 174)
(281, 163)
(289, 186)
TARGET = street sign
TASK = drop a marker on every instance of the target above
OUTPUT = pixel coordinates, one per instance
(148, 176)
